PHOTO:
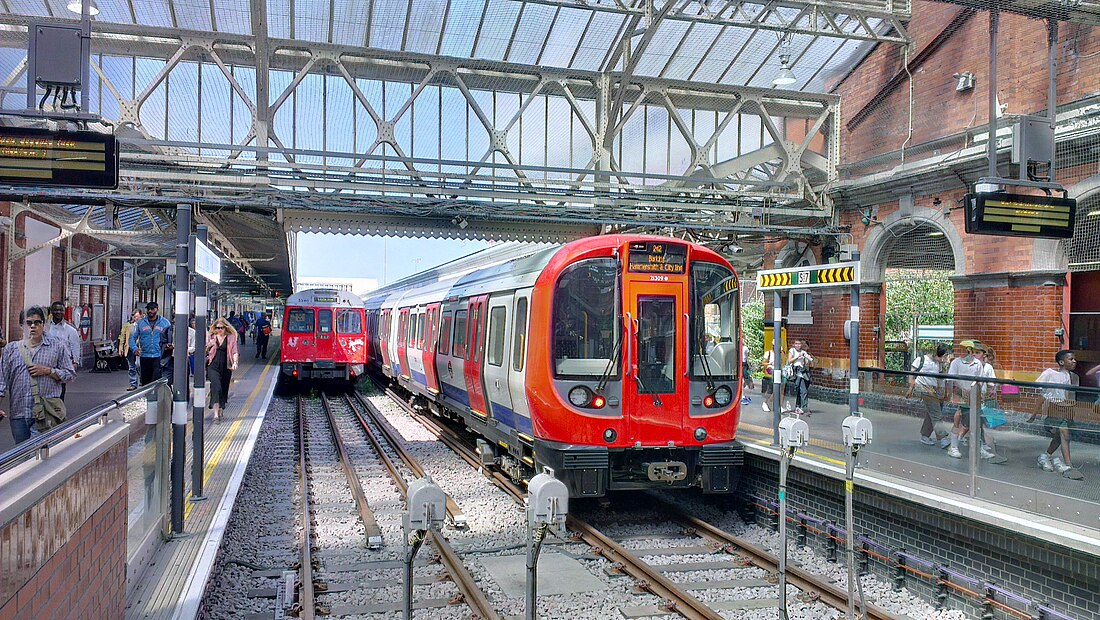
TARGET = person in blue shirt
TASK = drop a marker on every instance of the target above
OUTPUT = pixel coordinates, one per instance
(145, 338)
(263, 335)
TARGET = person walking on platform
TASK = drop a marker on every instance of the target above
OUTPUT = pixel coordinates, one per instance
(146, 339)
(746, 375)
(127, 352)
(799, 359)
(167, 354)
(930, 391)
(33, 369)
(236, 323)
(61, 330)
(191, 345)
(970, 365)
(263, 335)
(767, 381)
(1058, 408)
(244, 329)
(222, 356)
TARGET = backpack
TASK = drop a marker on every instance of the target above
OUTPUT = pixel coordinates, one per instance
(266, 330)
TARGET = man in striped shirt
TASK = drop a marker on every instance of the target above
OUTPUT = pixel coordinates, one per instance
(51, 366)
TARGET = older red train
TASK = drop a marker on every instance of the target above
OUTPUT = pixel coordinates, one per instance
(614, 360)
(323, 336)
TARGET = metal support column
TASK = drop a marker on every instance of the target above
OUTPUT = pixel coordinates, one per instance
(777, 365)
(853, 356)
(198, 411)
(179, 380)
(1052, 89)
(991, 153)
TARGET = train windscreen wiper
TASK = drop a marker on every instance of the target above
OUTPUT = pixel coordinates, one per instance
(606, 376)
(707, 374)
(642, 389)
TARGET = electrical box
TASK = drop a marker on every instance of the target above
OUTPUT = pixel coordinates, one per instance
(1033, 146)
(857, 431)
(56, 52)
(793, 433)
(547, 500)
(427, 505)
(847, 252)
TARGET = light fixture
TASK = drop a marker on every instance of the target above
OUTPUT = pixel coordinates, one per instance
(785, 77)
(1093, 213)
(74, 6)
(936, 233)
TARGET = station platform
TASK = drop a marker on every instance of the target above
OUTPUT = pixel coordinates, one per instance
(1012, 492)
(173, 583)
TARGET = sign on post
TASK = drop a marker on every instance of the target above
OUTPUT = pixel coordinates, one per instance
(87, 279)
(207, 263)
(834, 274)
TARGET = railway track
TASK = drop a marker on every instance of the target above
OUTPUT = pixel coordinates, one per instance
(654, 577)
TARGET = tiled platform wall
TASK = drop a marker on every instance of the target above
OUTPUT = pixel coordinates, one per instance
(65, 556)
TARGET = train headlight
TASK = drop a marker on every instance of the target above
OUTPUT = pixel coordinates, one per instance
(609, 435)
(580, 396)
(700, 434)
(723, 396)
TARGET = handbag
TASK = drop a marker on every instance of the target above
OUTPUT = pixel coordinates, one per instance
(48, 411)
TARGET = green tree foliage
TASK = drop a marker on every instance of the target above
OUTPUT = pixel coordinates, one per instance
(931, 297)
(752, 330)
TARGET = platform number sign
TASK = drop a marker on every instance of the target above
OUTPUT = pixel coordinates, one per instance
(808, 277)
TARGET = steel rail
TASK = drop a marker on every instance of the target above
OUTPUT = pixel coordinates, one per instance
(802, 579)
(366, 515)
(306, 599)
(453, 510)
(467, 585)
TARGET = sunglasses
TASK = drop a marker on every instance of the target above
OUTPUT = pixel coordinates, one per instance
(220, 327)
(33, 322)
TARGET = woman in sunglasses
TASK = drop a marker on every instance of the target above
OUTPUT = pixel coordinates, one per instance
(221, 360)
(36, 358)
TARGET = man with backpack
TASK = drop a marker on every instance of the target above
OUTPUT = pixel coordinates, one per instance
(263, 334)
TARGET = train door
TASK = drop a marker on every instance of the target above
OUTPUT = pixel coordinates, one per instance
(517, 362)
(453, 375)
(430, 338)
(475, 354)
(325, 336)
(656, 389)
(402, 344)
(498, 398)
(383, 332)
(413, 346)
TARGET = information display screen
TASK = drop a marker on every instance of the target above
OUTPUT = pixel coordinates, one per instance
(656, 257)
(1020, 215)
(41, 157)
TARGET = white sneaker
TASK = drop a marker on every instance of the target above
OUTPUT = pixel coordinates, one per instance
(954, 453)
(1044, 462)
(1061, 468)
(928, 441)
(986, 453)
(945, 441)
(764, 404)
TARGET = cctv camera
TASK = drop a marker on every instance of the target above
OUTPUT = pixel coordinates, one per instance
(736, 249)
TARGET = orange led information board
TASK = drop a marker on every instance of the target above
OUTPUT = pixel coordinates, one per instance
(1020, 215)
(656, 257)
(41, 157)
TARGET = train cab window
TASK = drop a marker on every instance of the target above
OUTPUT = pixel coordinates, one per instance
(519, 341)
(498, 315)
(420, 330)
(324, 321)
(445, 334)
(349, 321)
(586, 329)
(656, 345)
(299, 321)
(715, 322)
(460, 334)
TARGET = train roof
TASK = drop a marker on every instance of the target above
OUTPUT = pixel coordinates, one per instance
(325, 297)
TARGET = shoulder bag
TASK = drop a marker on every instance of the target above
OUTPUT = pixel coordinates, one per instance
(48, 411)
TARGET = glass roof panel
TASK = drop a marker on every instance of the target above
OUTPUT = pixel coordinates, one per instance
(527, 44)
(28, 7)
(113, 11)
(496, 29)
(730, 43)
(564, 37)
(233, 16)
(153, 13)
(349, 22)
(747, 69)
(693, 52)
(387, 28)
(814, 60)
(193, 14)
(425, 26)
(461, 28)
(311, 20)
(593, 48)
(661, 47)
(278, 18)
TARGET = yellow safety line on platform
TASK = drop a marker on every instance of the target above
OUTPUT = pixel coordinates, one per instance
(208, 471)
(768, 443)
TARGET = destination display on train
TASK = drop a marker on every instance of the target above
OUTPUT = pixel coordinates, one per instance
(1020, 215)
(656, 257)
(41, 157)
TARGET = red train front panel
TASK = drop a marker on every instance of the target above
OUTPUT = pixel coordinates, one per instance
(323, 335)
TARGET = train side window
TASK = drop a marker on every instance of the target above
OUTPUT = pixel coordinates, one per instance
(299, 321)
(413, 323)
(349, 321)
(519, 342)
(421, 330)
(475, 324)
(445, 334)
(498, 316)
(324, 321)
(460, 334)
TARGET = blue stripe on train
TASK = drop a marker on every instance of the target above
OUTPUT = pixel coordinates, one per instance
(419, 378)
(501, 414)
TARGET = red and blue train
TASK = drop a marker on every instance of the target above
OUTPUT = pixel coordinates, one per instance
(613, 360)
(323, 336)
